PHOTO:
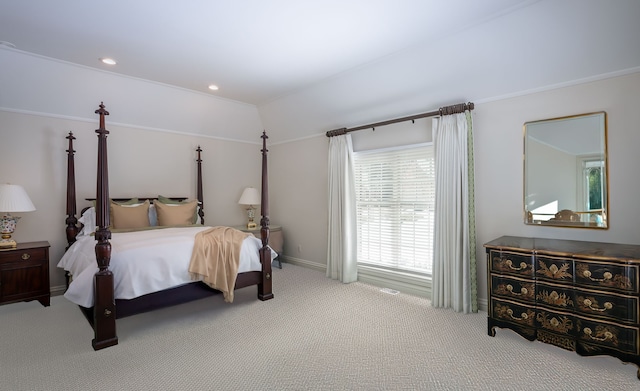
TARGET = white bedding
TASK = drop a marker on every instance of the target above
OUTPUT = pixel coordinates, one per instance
(143, 262)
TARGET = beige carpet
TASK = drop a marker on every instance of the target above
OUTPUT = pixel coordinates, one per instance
(317, 334)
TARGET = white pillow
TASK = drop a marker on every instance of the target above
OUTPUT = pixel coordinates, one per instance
(153, 215)
(88, 219)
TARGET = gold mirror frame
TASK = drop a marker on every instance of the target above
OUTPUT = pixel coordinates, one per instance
(566, 178)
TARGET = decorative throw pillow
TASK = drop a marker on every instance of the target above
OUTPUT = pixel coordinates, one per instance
(169, 201)
(131, 201)
(130, 216)
(176, 214)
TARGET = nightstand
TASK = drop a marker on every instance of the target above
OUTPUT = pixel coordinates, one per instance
(24, 273)
(276, 238)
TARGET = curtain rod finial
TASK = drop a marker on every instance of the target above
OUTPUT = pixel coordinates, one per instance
(336, 132)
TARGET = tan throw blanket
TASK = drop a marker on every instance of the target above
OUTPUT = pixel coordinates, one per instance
(215, 258)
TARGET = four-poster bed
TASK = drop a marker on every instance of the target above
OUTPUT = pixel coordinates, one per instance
(102, 306)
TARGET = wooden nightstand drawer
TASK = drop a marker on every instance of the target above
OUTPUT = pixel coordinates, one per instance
(24, 273)
(21, 255)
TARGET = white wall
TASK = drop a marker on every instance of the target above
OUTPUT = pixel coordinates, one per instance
(40, 85)
(302, 165)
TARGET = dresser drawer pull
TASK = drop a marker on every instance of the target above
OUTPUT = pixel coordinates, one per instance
(602, 336)
(523, 290)
(605, 277)
(589, 304)
(509, 263)
(25, 256)
(523, 316)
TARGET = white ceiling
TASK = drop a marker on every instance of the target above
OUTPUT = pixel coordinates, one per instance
(254, 50)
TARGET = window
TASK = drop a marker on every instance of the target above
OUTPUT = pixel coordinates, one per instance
(395, 196)
(593, 170)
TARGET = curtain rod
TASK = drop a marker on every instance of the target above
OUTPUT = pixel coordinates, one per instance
(447, 110)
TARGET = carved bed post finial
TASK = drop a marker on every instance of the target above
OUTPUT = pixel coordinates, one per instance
(102, 113)
(199, 187)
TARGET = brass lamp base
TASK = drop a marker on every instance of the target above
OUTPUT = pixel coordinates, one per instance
(251, 212)
(8, 243)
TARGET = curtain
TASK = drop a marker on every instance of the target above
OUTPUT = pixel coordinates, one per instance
(342, 236)
(454, 282)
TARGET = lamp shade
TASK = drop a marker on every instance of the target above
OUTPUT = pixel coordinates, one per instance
(13, 198)
(250, 196)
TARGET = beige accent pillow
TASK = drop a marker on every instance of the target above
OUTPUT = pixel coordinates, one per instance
(176, 214)
(130, 216)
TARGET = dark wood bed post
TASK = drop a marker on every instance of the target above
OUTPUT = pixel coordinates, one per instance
(104, 309)
(71, 220)
(265, 290)
(200, 197)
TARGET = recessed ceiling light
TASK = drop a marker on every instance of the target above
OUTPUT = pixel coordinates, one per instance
(213, 87)
(108, 61)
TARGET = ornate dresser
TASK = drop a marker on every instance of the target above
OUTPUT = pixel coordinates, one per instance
(580, 296)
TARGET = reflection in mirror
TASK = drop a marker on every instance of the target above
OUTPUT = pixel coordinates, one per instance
(565, 171)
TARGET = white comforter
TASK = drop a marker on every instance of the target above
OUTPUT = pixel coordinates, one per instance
(143, 262)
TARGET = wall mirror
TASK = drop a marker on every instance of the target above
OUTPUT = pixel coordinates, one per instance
(565, 171)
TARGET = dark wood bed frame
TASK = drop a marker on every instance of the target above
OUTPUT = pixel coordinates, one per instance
(102, 316)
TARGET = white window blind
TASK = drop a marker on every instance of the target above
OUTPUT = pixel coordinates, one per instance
(395, 192)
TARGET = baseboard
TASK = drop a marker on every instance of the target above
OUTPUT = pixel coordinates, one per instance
(403, 282)
(482, 305)
(304, 263)
(57, 290)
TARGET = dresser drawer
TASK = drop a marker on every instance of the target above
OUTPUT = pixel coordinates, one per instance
(31, 254)
(561, 323)
(556, 269)
(512, 312)
(608, 335)
(506, 262)
(607, 275)
(513, 288)
(607, 305)
(557, 297)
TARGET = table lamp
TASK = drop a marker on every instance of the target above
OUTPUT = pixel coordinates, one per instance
(13, 198)
(250, 197)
